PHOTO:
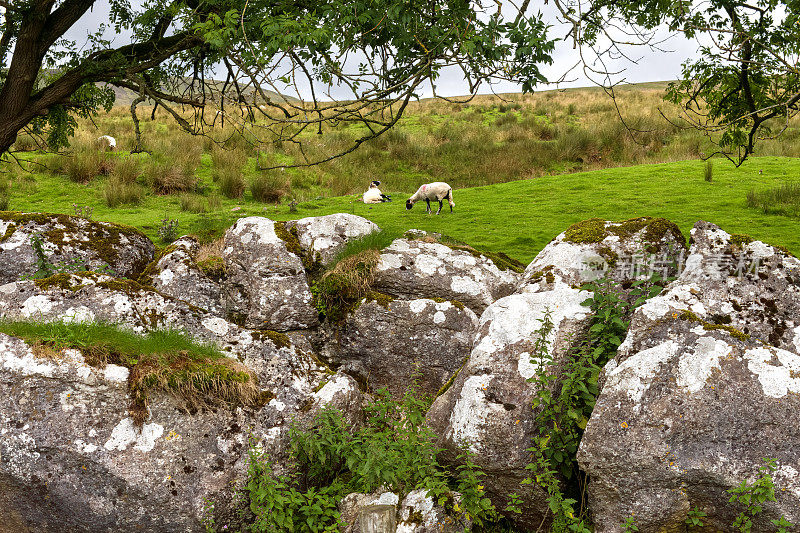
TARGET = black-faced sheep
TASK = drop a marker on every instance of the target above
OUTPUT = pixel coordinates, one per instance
(437, 190)
(374, 194)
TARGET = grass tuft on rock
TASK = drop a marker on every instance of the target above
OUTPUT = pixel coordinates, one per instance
(162, 360)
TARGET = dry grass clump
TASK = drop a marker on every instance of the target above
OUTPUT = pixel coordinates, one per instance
(268, 187)
(170, 179)
(193, 203)
(118, 192)
(86, 164)
(127, 169)
(341, 287)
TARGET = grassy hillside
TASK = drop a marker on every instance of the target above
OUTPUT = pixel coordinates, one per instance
(518, 217)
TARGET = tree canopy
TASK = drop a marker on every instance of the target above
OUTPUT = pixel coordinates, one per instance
(362, 61)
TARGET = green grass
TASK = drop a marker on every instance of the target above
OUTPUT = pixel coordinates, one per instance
(164, 360)
(517, 218)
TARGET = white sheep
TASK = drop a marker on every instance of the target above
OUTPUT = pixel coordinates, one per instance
(437, 190)
(107, 143)
(374, 194)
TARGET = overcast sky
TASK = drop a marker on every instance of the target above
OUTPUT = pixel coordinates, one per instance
(650, 66)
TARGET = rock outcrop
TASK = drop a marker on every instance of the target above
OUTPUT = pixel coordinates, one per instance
(413, 268)
(265, 286)
(73, 242)
(383, 512)
(620, 251)
(387, 343)
(71, 453)
(324, 237)
(704, 388)
(177, 274)
(488, 407)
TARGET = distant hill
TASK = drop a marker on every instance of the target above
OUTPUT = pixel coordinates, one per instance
(124, 96)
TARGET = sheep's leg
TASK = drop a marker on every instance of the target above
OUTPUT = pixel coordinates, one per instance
(428, 202)
(440, 207)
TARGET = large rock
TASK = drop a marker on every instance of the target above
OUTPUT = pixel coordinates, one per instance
(326, 236)
(621, 251)
(488, 407)
(266, 285)
(389, 343)
(71, 457)
(704, 388)
(413, 268)
(176, 274)
(74, 241)
(383, 512)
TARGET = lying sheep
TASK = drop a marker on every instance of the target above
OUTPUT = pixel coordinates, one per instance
(374, 194)
(437, 190)
(106, 143)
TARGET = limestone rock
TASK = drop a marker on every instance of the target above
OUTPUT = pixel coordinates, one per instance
(383, 512)
(703, 388)
(176, 274)
(72, 241)
(412, 268)
(622, 251)
(266, 285)
(389, 343)
(71, 457)
(325, 236)
(488, 407)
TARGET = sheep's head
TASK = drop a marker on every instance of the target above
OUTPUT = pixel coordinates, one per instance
(409, 204)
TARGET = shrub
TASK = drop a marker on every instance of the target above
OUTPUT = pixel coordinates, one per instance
(193, 203)
(168, 179)
(708, 171)
(5, 196)
(231, 184)
(127, 169)
(394, 450)
(25, 143)
(267, 188)
(118, 192)
(82, 166)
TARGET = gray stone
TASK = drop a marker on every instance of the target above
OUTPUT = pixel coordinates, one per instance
(414, 268)
(703, 388)
(71, 457)
(176, 274)
(621, 251)
(325, 236)
(266, 285)
(488, 407)
(72, 241)
(383, 512)
(389, 344)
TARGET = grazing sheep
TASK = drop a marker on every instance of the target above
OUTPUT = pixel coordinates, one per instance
(437, 190)
(106, 143)
(374, 194)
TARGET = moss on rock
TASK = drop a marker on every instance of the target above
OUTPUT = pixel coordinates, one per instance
(595, 230)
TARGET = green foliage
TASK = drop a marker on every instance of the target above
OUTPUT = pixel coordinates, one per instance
(753, 496)
(394, 450)
(694, 518)
(45, 268)
(781, 200)
(168, 231)
(629, 526)
(708, 171)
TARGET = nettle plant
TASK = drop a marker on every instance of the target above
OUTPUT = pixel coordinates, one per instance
(565, 400)
(394, 450)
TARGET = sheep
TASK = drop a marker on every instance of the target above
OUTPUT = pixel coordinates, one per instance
(437, 190)
(106, 143)
(374, 194)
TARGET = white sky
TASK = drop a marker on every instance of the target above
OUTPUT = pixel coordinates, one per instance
(650, 66)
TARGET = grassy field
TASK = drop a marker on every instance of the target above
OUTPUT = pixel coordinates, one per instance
(524, 167)
(517, 217)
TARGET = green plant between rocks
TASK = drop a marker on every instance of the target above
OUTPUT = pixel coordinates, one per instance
(753, 496)
(394, 451)
(45, 268)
